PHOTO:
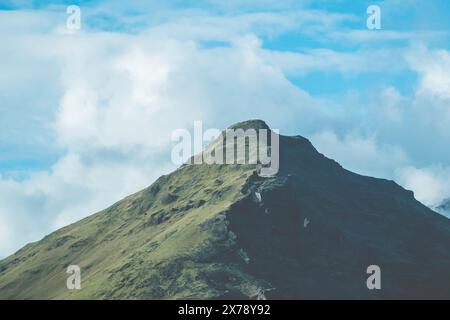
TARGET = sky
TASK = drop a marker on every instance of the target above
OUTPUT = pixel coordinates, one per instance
(86, 115)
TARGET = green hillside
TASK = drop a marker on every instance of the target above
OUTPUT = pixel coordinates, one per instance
(222, 231)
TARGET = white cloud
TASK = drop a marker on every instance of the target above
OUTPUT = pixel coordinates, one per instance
(72, 189)
(348, 63)
(430, 185)
(376, 37)
(434, 68)
(364, 155)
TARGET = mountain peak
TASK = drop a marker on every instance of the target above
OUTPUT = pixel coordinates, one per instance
(250, 124)
(222, 231)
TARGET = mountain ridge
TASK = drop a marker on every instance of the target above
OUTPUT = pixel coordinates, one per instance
(222, 231)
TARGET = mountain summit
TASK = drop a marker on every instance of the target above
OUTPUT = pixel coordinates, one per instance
(250, 124)
(222, 231)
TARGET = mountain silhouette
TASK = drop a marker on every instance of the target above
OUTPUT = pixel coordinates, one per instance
(219, 231)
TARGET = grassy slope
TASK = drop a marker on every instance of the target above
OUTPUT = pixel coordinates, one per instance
(156, 243)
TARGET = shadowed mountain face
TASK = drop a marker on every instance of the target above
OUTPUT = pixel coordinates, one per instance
(222, 231)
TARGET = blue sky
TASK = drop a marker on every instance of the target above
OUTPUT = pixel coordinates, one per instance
(86, 116)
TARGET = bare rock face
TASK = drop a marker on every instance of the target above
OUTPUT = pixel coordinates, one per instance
(221, 231)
